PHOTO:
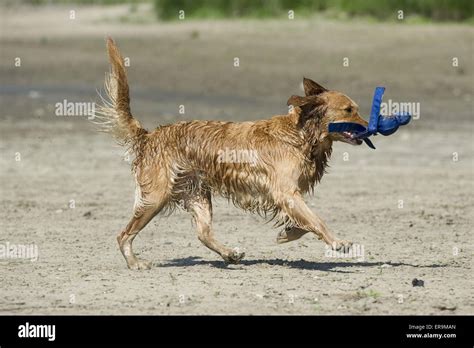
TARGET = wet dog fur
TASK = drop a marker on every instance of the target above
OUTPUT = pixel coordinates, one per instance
(182, 164)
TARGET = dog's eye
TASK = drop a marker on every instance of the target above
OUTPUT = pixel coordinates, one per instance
(348, 109)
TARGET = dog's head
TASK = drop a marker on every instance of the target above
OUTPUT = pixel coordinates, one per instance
(323, 106)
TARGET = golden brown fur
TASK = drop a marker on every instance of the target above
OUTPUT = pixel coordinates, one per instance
(272, 162)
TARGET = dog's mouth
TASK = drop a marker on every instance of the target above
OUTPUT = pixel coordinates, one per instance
(348, 137)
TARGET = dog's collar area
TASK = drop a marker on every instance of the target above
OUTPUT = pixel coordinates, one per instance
(385, 125)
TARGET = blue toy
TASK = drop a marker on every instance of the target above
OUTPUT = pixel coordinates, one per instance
(384, 125)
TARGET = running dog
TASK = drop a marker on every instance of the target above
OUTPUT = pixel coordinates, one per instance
(263, 167)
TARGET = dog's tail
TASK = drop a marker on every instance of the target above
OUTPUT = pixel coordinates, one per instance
(114, 115)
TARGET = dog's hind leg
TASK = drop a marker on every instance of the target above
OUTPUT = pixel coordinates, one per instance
(200, 207)
(299, 213)
(142, 216)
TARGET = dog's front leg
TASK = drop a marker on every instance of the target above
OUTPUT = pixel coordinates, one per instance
(306, 221)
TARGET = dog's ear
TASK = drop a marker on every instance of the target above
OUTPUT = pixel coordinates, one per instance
(296, 100)
(304, 102)
(312, 88)
(311, 107)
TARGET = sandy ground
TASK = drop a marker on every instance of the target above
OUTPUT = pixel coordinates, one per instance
(66, 190)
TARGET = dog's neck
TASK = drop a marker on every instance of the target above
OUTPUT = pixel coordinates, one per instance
(317, 146)
(316, 138)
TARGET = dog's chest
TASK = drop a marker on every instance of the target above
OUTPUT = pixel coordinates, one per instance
(315, 165)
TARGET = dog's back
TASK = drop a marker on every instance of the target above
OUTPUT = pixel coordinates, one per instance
(244, 161)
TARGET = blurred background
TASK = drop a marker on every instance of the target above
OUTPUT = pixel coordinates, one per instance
(410, 201)
(436, 10)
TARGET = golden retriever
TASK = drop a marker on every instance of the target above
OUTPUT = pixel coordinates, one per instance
(263, 166)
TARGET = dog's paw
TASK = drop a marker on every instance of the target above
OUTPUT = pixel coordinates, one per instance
(282, 237)
(342, 245)
(140, 265)
(234, 256)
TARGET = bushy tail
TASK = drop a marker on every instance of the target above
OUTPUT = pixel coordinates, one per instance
(114, 115)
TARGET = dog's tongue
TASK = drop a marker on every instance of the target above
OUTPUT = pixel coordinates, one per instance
(369, 143)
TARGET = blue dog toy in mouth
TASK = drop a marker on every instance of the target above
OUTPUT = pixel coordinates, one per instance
(384, 125)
